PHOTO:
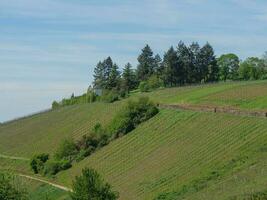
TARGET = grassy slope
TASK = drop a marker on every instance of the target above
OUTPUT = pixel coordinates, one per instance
(243, 95)
(180, 148)
(162, 155)
(44, 132)
(41, 191)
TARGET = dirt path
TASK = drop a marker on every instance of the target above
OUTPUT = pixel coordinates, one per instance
(215, 109)
(47, 182)
(14, 157)
(35, 178)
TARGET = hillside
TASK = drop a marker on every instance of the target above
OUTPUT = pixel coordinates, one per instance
(177, 154)
(177, 149)
(44, 132)
(242, 95)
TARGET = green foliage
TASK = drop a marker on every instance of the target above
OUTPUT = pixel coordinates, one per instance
(253, 69)
(10, 189)
(38, 161)
(52, 167)
(172, 71)
(152, 83)
(67, 150)
(146, 64)
(110, 96)
(90, 186)
(143, 86)
(106, 75)
(129, 79)
(55, 105)
(88, 97)
(41, 164)
(135, 113)
(228, 65)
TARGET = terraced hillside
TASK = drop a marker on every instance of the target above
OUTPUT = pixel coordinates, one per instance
(185, 154)
(242, 95)
(43, 132)
(175, 155)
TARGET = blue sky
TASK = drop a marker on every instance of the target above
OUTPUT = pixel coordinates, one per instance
(48, 48)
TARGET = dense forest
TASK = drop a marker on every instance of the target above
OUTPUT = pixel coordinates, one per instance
(183, 65)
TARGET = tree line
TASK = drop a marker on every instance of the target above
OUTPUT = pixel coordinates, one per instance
(192, 64)
(181, 65)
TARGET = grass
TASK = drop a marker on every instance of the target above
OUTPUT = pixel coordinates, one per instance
(44, 132)
(42, 191)
(243, 95)
(175, 155)
(182, 154)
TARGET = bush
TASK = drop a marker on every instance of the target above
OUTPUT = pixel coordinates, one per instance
(83, 154)
(110, 96)
(67, 150)
(55, 105)
(135, 113)
(52, 167)
(154, 82)
(38, 161)
(90, 186)
(11, 189)
(143, 86)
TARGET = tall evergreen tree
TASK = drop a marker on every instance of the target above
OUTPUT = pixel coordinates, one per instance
(128, 78)
(209, 64)
(146, 66)
(171, 74)
(107, 67)
(158, 65)
(99, 77)
(113, 80)
(185, 59)
(196, 73)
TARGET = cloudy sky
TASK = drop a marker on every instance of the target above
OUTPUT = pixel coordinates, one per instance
(48, 48)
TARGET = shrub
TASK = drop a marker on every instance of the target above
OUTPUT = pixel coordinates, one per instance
(83, 154)
(110, 96)
(154, 82)
(135, 113)
(143, 86)
(90, 186)
(55, 105)
(38, 161)
(52, 167)
(67, 150)
(11, 189)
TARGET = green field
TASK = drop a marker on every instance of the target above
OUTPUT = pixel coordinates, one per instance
(42, 191)
(243, 95)
(175, 155)
(176, 149)
(44, 132)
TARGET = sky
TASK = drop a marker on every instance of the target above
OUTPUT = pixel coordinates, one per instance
(49, 48)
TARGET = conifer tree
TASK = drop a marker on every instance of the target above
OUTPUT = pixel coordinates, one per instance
(146, 66)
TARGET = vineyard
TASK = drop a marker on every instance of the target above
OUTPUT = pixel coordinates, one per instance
(177, 150)
(177, 154)
(243, 95)
(44, 132)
